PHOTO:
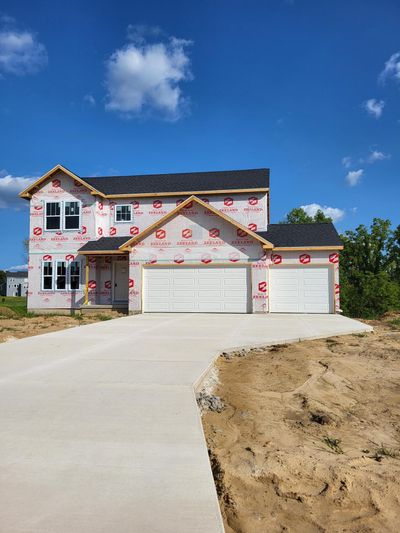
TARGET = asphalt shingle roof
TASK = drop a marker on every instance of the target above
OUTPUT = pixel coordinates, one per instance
(104, 244)
(296, 235)
(184, 182)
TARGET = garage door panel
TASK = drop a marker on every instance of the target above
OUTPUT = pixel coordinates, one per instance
(300, 290)
(194, 289)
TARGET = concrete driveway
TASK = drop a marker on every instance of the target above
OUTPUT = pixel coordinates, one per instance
(99, 429)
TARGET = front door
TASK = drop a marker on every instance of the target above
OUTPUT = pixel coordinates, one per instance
(121, 276)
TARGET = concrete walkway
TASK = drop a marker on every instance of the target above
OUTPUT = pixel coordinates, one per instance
(99, 429)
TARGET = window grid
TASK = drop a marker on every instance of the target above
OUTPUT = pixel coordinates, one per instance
(123, 213)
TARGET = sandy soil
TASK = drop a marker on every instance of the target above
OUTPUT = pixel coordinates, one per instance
(13, 327)
(309, 437)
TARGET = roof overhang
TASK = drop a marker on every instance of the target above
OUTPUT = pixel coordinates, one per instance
(29, 191)
(102, 252)
(185, 193)
(129, 244)
(301, 248)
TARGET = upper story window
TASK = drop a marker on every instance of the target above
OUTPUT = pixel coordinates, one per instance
(72, 215)
(53, 216)
(123, 213)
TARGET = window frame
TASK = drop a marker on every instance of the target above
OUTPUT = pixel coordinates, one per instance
(123, 221)
(79, 276)
(64, 215)
(60, 203)
(56, 263)
(43, 276)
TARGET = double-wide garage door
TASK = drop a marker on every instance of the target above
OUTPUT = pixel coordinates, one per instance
(300, 290)
(196, 290)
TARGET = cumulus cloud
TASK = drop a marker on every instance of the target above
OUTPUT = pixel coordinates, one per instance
(20, 51)
(10, 187)
(346, 161)
(376, 155)
(333, 212)
(354, 176)
(391, 69)
(374, 107)
(144, 76)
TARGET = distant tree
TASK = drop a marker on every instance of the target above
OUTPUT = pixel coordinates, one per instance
(299, 216)
(2, 277)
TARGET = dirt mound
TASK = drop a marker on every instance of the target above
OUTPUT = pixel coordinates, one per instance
(7, 312)
(309, 437)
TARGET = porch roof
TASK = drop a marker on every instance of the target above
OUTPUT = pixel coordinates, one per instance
(104, 245)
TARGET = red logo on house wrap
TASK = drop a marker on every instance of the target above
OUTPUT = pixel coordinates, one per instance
(337, 288)
(100, 206)
(77, 183)
(131, 283)
(134, 230)
(186, 233)
(47, 258)
(92, 260)
(206, 200)
(276, 259)
(228, 201)
(113, 230)
(334, 258)
(234, 256)
(214, 232)
(112, 205)
(189, 205)
(107, 259)
(161, 234)
(135, 204)
(179, 259)
(157, 204)
(100, 231)
(262, 286)
(107, 284)
(69, 257)
(92, 284)
(83, 230)
(241, 232)
(37, 231)
(252, 227)
(304, 259)
(253, 200)
(56, 184)
(206, 259)
(38, 207)
(153, 259)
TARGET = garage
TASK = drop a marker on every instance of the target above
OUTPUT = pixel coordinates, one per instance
(187, 289)
(301, 290)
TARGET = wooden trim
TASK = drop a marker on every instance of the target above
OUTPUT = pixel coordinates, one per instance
(26, 193)
(102, 252)
(176, 210)
(301, 248)
(184, 193)
(86, 301)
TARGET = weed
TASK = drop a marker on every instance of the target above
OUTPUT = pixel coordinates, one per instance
(105, 317)
(333, 444)
(382, 451)
(394, 323)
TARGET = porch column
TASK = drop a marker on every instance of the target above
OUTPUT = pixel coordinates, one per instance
(87, 281)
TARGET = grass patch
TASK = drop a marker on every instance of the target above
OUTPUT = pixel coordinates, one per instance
(333, 444)
(105, 317)
(382, 452)
(15, 303)
(394, 323)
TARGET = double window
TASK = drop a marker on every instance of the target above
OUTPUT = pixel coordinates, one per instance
(63, 215)
(123, 213)
(61, 276)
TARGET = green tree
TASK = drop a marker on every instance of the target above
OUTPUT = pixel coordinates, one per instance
(299, 216)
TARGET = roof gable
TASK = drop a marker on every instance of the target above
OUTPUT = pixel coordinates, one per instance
(150, 229)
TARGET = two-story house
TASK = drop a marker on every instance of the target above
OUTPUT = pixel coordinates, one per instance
(189, 242)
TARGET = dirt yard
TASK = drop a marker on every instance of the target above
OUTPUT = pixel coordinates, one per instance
(308, 439)
(13, 326)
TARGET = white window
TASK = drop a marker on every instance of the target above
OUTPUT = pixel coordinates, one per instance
(72, 215)
(53, 216)
(61, 275)
(123, 213)
(47, 276)
(75, 275)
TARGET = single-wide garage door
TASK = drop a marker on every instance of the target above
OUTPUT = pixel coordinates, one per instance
(300, 290)
(205, 289)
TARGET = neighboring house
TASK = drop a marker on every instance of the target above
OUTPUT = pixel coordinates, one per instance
(16, 283)
(190, 242)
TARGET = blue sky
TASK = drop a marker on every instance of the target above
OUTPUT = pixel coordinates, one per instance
(310, 89)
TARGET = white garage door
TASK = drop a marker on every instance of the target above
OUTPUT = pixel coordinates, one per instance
(300, 290)
(196, 290)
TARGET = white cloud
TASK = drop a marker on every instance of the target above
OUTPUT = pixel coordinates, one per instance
(143, 77)
(89, 99)
(346, 161)
(140, 33)
(376, 155)
(20, 52)
(17, 268)
(392, 68)
(354, 176)
(10, 187)
(374, 107)
(334, 212)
